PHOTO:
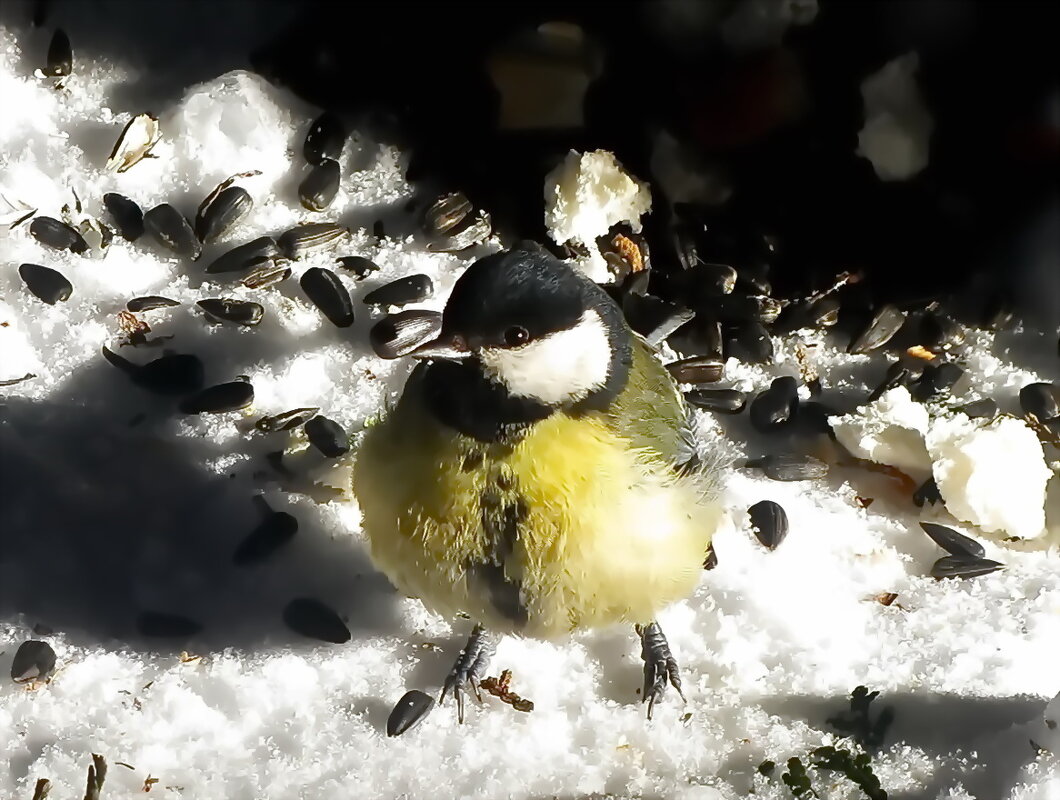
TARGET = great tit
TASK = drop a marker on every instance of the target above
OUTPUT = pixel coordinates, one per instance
(539, 472)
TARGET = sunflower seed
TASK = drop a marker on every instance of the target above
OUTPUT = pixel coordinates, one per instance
(790, 467)
(769, 522)
(750, 342)
(360, 266)
(60, 61)
(776, 406)
(171, 230)
(260, 252)
(823, 313)
(326, 292)
(446, 213)
(219, 399)
(652, 318)
(311, 238)
(276, 530)
(325, 139)
(927, 492)
(327, 436)
(319, 187)
(884, 325)
(266, 276)
(711, 560)
(954, 543)
(411, 709)
(135, 143)
(697, 369)
(685, 247)
(127, 216)
(399, 334)
(46, 284)
(940, 332)
(725, 401)
(286, 420)
(172, 374)
(149, 303)
(34, 660)
(228, 309)
(936, 380)
(983, 408)
(1041, 399)
(901, 373)
(166, 626)
(739, 308)
(963, 567)
(218, 217)
(411, 289)
(464, 235)
(57, 235)
(315, 620)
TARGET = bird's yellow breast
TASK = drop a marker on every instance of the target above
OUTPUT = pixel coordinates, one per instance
(570, 527)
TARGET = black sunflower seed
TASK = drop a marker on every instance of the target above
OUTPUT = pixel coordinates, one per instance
(740, 308)
(884, 325)
(410, 710)
(697, 369)
(927, 492)
(127, 215)
(1041, 399)
(411, 289)
(226, 309)
(34, 660)
(936, 380)
(171, 374)
(983, 408)
(325, 139)
(57, 235)
(149, 303)
(46, 284)
(901, 373)
(652, 318)
(60, 56)
(286, 420)
(954, 543)
(472, 231)
(326, 291)
(750, 342)
(319, 187)
(171, 230)
(776, 406)
(167, 626)
(276, 530)
(266, 276)
(446, 213)
(769, 522)
(315, 620)
(725, 401)
(790, 467)
(219, 398)
(219, 216)
(963, 567)
(262, 251)
(941, 332)
(399, 334)
(360, 266)
(310, 238)
(327, 436)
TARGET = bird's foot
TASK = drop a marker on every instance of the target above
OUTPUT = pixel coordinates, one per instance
(660, 665)
(469, 669)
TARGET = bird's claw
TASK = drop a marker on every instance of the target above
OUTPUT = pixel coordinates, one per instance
(660, 666)
(469, 669)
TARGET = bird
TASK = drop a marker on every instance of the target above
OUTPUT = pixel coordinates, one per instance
(540, 472)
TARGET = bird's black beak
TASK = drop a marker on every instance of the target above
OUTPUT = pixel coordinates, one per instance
(447, 347)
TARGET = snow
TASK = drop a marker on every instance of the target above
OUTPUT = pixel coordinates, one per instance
(113, 504)
(898, 125)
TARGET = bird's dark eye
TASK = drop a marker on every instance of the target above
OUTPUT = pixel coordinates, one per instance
(516, 335)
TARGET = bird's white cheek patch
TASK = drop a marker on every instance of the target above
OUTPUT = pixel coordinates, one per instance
(558, 368)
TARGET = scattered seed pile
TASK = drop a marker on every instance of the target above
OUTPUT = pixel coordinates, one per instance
(202, 306)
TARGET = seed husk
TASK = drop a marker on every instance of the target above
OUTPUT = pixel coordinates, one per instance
(166, 626)
(149, 303)
(776, 406)
(276, 530)
(57, 235)
(1041, 399)
(327, 436)
(769, 522)
(784, 467)
(325, 139)
(884, 325)
(446, 213)
(60, 61)
(463, 236)
(963, 567)
(311, 238)
(135, 142)
(219, 399)
(173, 231)
(711, 560)
(15, 381)
(824, 313)
(327, 292)
(399, 334)
(319, 187)
(360, 266)
(697, 369)
(46, 284)
(927, 492)
(286, 420)
(410, 710)
(313, 619)
(954, 543)
(266, 276)
(725, 401)
(262, 251)
(219, 216)
(227, 309)
(673, 318)
(34, 660)
(171, 374)
(410, 289)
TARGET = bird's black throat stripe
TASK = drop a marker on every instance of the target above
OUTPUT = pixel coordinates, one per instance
(502, 510)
